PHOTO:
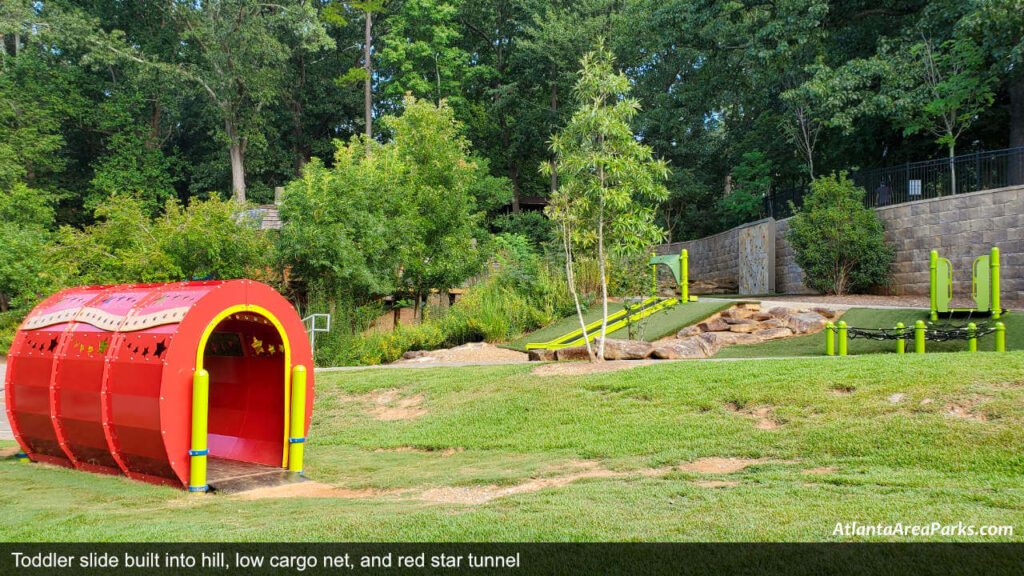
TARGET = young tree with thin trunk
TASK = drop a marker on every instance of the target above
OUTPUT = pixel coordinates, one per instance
(608, 179)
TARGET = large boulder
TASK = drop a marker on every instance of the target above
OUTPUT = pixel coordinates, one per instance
(806, 322)
(826, 312)
(761, 316)
(675, 349)
(736, 313)
(781, 312)
(773, 333)
(751, 306)
(713, 325)
(572, 353)
(715, 341)
(689, 331)
(745, 328)
(414, 354)
(774, 323)
(627, 349)
(734, 321)
(538, 355)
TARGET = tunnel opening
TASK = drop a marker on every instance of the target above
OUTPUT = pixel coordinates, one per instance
(247, 360)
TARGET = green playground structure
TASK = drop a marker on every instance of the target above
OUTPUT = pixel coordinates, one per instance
(677, 263)
(984, 286)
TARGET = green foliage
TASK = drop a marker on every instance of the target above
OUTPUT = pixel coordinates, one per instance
(751, 180)
(521, 293)
(421, 52)
(401, 216)
(209, 239)
(26, 216)
(608, 178)
(839, 244)
(533, 225)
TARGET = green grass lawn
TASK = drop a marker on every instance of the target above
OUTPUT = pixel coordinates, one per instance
(657, 326)
(814, 344)
(879, 460)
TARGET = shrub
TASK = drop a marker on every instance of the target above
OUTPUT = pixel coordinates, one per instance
(838, 242)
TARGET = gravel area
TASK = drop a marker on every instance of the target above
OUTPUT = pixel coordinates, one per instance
(473, 352)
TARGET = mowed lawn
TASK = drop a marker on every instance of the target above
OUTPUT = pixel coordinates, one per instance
(486, 453)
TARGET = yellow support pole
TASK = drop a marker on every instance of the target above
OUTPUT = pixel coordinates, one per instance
(684, 275)
(200, 417)
(830, 339)
(993, 262)
(297, 419)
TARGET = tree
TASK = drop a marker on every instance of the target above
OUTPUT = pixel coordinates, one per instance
(449, 190)
(839, 243)
(395, 218)
(952, 88)
(26, 219)
(420, 52)
(606, 176)
(234, 52)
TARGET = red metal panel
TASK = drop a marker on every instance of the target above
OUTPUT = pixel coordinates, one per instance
(101, 376)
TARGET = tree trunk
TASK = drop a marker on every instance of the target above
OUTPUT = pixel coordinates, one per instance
(368, 67)
(554, 110)
(952, 169)
(570, 277)
(237, 152)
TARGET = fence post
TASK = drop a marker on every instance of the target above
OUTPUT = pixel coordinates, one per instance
(933, 278)
(919, 337)
(684, 275)
(842, 338)
(1000, 337)
(977, 170)
(972, 337)
(830, 339)
(901, 342)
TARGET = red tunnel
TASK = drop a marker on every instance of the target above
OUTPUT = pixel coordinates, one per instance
(99, 378)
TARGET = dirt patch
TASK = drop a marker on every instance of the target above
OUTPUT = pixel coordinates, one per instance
(306, 490)
(390, 404)
(715, 483)
(764, 416)
(443, 452)
(825, 470)
(843, 390)
(472, 352)
(720, 465)
(11, 451)
(965, 409)
(484, 494)
(577, 368)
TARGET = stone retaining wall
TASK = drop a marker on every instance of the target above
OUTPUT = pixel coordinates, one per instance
(960, 227)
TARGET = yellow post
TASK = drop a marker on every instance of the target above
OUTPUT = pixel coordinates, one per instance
(993, 262)
(297, 419)
(22, 457)
(684, 275)
(200, 414)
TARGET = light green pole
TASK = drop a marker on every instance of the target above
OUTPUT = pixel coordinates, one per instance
(842, 338)
(1000, 337)
(933, 281)
(830, 339)
(972, 340)
(993, 262)
(901, 343)
(654, 279)
(684, 275)
(919, 337)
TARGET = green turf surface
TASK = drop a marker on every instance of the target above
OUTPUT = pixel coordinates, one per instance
(657, 325)
(814, 344)
(878, 457)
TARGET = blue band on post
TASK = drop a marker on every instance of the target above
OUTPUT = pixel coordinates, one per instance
(296, 440)
(21, 455)
(198, 488)
(198, 452)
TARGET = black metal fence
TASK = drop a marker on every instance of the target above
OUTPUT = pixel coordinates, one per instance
(919, 180)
